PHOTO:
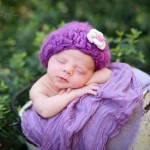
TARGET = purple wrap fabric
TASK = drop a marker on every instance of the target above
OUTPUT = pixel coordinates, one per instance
(89, 122)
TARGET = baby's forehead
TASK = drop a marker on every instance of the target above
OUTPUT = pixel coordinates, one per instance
(79, 58)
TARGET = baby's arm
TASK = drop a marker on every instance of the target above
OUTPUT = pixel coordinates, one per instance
(47, 106)
(100, 76)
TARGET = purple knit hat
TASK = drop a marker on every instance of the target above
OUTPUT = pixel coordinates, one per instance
(73, 35)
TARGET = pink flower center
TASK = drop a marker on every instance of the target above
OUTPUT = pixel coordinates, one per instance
(100, 38)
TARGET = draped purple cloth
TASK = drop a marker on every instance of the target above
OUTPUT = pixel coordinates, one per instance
(89, 122)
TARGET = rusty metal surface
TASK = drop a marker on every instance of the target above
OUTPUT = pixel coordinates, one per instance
(142, 140)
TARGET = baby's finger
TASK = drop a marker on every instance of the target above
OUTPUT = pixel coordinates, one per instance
(95, 88)
(69, 90)
(61, 92)
(92, 92)
(93, 84)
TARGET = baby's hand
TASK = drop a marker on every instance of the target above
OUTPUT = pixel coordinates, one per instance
(89, 89)
(65, 90)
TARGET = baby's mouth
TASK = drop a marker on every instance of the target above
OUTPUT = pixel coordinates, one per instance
(62, 79)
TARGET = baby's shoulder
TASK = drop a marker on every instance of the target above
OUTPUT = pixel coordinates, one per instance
(40, 83)
(41, 86)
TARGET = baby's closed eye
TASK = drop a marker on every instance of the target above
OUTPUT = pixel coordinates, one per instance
(80, 70)
(60, 60)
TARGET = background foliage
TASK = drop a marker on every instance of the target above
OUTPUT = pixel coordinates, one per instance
(24, 24)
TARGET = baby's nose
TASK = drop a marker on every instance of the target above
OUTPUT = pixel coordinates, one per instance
(68, 70)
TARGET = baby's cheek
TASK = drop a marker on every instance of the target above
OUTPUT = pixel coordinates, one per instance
(82, 82)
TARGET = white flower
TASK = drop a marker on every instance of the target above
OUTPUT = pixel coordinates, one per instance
(96, 37)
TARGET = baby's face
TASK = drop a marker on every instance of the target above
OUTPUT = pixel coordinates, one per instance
(70, 69)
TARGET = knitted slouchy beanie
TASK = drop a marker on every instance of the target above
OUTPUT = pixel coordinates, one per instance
(73, 35)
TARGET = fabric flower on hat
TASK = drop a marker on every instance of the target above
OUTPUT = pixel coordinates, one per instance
(96, 37)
